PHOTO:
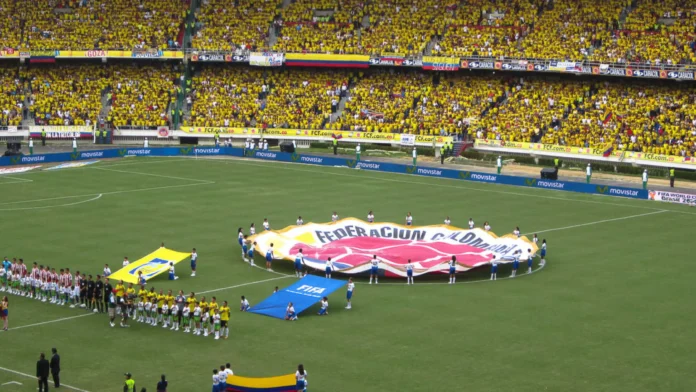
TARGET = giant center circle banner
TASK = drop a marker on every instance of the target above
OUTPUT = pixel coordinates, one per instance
(351, 244)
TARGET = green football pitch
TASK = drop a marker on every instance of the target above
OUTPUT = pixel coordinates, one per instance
(611, 311)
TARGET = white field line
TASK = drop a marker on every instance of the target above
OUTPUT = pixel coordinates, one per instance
(244, 284)
(107, 193)
(49, 322)
(151, 175)
(10, 383)
(285, 166)
(597, 222)
(53, 206)
(34, 377)
(17, 180)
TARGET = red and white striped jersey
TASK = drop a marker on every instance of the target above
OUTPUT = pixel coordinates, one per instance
(44, 275)
(23, 270)
(35, 273)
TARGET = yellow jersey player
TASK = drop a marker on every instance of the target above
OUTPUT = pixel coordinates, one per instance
(224, 320)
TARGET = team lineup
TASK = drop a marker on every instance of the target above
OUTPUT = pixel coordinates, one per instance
(199, 316)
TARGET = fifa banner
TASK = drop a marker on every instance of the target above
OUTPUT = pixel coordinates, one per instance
(151, 265)
(303, 294)
(264, 59)
(61, 131)
(284, 383)
(317, 134)
(673, 197)
(589, 152)
(351, 243)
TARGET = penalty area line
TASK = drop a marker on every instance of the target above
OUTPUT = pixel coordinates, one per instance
(34, 377)
(50, 322)
(53, 206)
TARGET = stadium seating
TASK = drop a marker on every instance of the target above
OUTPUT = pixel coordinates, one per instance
(303, 30)
(234, 97)
(220, 27)
(11, 96)
(644, 116)
(486, 28)
(570, 29)
(66, 94)
(402, 26)
(11, 27)
(417, 102)
(142, 94)
(151, 24)
(225, 97)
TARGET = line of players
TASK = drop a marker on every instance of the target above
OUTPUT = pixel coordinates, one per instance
(62, 288)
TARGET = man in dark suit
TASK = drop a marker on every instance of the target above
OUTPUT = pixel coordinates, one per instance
(55, 367)
(42, 368)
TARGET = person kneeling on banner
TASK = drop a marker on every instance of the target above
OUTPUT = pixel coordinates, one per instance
(324, 307)
(290, 314)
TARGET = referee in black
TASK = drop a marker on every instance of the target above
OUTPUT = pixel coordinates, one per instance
(108, 289)
(90, 292)
(83, 291)
(99, 294)
(55, 367)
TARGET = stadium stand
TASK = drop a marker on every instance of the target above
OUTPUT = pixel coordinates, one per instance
(225, 97)
(152, 24)
(644, 38)
(218, 25)
(402, 26)
(303, 29)
(418, 102)
(141, 94)
(234, 97)
(46, 29)
(645, 116)
(65, 94)
(571, 29)
(486, 28)
(11, 96)
(11, 27)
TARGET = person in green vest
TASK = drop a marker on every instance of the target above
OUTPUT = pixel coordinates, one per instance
(645, 179)
(129, 386)
(105, 136)
(43, 137)
(357, 152)
(588, 172)
(556, 161)
(449, 149)
(499, 163)
(442, 155)
(217, 139)
(415, 156)
(671, 177)
(335, 146)
(31, 146)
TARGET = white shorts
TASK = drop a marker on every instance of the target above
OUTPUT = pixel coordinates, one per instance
(76, 292)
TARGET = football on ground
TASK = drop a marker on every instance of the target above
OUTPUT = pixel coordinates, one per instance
(607, 312)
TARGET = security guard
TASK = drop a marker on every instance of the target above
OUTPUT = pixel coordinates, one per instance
(217, 139)
(671, 177)
(129, 386)
(449, 149)
(43, 137)
(335, 146)
(442, 155)
(556, 162)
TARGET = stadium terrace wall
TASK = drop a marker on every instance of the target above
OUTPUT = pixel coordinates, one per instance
(330, 161)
